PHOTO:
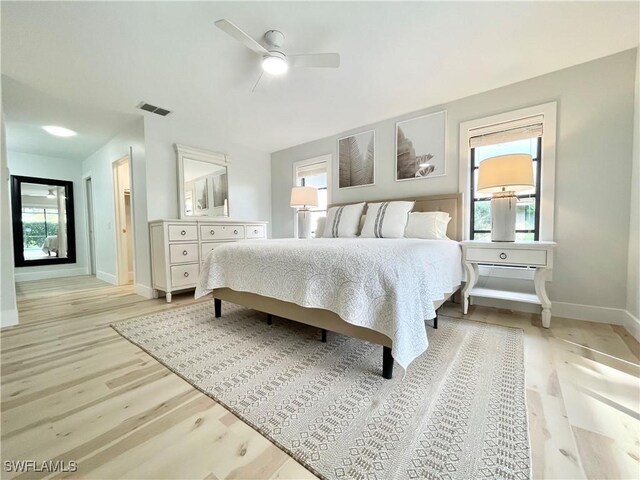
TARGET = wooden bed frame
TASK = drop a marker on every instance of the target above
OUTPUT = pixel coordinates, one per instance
(329, 321)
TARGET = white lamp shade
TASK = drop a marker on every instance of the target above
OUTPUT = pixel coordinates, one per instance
(510, 173)
(304, 197)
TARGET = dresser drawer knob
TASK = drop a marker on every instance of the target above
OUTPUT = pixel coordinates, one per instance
(212, 232)
(184, 252)
(186, 274)
(255, 231)
(235, 232)
(183, 232)
(503, 256)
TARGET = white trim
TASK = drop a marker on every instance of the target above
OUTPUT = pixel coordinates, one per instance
(631, 324)
(107, 277)
(444, 150)
(547, 182)
(328, 159)
(143, 290)
(44, 274)
(590, 313)
(9, 318)
(375, 147)
(89, 176)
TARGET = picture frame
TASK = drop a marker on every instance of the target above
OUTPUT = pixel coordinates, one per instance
(356, 160)
(420, 147)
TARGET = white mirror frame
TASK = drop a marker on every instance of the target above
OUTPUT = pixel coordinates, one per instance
(214, 158)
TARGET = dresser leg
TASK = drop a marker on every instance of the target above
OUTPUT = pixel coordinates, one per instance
(168, 297)
(217, 307)
(472, 277)
(540, 283)
(155, 293)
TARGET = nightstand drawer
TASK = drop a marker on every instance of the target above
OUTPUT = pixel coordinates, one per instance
(183, 252)
(507, 256)
(184, 275)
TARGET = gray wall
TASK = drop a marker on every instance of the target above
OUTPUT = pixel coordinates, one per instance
(8, 308)
(633, 272)
(593, 168)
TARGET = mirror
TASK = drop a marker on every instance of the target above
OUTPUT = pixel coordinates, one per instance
(43, 221)
(203, 183)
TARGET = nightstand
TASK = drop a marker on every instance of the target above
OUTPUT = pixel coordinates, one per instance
(525, 254)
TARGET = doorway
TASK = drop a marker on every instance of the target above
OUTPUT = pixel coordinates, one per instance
(124, 220)
(88, 185)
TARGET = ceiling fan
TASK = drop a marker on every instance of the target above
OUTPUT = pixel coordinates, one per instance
(274, 60)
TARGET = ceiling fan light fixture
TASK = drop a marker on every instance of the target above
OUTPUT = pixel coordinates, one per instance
(275, 64)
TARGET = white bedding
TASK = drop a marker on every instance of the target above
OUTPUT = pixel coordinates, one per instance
(387, 285)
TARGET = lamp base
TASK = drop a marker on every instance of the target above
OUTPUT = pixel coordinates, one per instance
(304, 223)
(503, 217)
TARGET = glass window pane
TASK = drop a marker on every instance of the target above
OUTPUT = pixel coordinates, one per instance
(482, 215)
(524, 236)
(526, 214)
(482, 236)
(317, 181)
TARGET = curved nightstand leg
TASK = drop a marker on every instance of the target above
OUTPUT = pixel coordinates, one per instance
(155, 293)
(540, 284)
(472, 276)
(168, 297)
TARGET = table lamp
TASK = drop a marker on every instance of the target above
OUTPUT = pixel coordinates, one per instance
(302, 198)
(503, 176)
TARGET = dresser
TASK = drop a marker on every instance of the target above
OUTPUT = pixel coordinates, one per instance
(533, 254)
(178, 248)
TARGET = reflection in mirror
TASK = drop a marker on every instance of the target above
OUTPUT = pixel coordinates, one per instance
(203, 182)
(43, 230)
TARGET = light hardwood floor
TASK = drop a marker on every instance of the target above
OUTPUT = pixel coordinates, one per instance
(74, 390)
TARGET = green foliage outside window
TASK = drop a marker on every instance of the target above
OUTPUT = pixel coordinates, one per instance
(36, 232)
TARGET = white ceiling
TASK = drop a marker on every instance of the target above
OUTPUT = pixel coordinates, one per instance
(86, 65)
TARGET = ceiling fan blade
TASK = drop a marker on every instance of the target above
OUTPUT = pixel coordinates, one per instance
(230, 29)
(320, 60)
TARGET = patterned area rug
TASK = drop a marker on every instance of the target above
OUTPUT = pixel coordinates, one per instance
(458, 413)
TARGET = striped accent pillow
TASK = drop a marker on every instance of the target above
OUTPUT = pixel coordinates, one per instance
(386, 219)
(343, 221)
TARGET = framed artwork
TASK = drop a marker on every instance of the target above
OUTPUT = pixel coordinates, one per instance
(356, 160)
(420, 147)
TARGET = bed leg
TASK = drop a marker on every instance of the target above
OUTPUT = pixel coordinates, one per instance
(387, 363)
(217, 307)
(269, 319)
(324, 335)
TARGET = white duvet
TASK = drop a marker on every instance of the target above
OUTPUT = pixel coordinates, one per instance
(387, 285)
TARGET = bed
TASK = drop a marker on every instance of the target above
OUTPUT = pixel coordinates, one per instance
(377, 290)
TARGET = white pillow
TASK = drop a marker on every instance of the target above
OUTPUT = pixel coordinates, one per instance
(430, 225)
(343, 221)
(362, 220)
(320, 227)
(386, 219)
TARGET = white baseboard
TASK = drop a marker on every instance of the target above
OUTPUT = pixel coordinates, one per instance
(107, 277)
(8, 318)
(591, 313)
(44, 274)
(631, 324)
(143, 290)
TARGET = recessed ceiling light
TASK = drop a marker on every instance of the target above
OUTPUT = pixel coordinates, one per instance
(59, 131)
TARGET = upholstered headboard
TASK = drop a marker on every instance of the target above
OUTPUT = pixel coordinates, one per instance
(450, 203)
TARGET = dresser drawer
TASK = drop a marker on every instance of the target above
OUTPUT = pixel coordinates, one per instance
(183, 252)
(206, 247)
(508, 256)
(221, 232)
(181, 233)
(256, 231)
(184, 275)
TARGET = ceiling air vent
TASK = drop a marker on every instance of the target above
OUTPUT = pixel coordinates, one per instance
(153, 109)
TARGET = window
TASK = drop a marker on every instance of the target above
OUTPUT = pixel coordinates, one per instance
(528, 208)
(314, 173)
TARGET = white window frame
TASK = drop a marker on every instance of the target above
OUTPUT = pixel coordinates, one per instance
(547, 185)
(327, 158)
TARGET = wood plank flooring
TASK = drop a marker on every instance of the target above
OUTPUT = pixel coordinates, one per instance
(74, 390)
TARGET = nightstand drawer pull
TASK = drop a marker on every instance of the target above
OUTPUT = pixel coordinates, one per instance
(503, 256)
(235, 232)
(183, 232)
(186, 274)
(212, 232)
(184, 252)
